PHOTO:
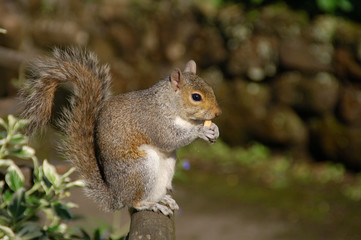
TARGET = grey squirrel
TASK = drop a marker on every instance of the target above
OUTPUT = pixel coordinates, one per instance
(123, 146)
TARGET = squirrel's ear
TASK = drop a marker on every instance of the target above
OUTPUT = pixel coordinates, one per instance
(191, 67)
(176, 79)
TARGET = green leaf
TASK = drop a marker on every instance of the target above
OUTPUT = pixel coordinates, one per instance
(6, 163)
(71, 205)
(46, 184)
(50, 173)
(28, 151)
(67, 174)
(18, 139)
(33, 201)
(7, 231)
(24, 152)
(5, 218)
(29, 230)
(62, 211)
(327, 5)
(16, 205)
(77, 183)
(14, 178)
(97, 235)
(345, 5)
(11, 120)
(36, 172)
(7, 195)
(85, 234)
(21, 124)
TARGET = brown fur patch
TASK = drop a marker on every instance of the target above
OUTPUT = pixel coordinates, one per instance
(135, 139)
(138, 198)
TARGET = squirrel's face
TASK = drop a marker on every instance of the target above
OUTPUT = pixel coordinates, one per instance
(197, 97)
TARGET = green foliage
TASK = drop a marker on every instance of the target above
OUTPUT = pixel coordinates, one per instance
(345, 8)
(354, 191)
(37, 211)
(272, 170)
(21, 206)
(330, 6)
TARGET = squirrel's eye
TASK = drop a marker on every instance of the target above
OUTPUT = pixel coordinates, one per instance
(196, 97)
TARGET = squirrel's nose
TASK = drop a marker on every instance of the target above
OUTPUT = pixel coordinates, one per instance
(218, 112)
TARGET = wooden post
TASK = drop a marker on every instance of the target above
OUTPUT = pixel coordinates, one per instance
(151, 225)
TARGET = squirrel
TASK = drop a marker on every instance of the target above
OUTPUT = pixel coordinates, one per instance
(123, 146)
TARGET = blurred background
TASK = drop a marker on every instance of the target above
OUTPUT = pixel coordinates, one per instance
(287, 75)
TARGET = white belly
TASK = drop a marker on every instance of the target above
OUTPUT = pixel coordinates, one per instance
(161, 168)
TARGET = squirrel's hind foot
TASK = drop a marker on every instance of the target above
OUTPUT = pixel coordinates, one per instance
(169, 201)
(167, 205)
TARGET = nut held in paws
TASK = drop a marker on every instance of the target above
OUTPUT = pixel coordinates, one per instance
(207, 123)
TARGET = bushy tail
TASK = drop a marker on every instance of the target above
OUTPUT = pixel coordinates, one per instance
(91, 88)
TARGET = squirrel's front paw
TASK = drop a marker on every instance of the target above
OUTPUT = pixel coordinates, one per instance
(209, 133)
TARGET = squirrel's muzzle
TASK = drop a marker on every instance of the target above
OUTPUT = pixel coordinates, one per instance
(217, 112)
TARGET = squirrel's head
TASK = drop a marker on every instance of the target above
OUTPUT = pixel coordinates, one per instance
(196, 95)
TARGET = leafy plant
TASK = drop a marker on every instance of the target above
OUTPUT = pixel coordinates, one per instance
(330, 6)
(37, 211)
(22, 207)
